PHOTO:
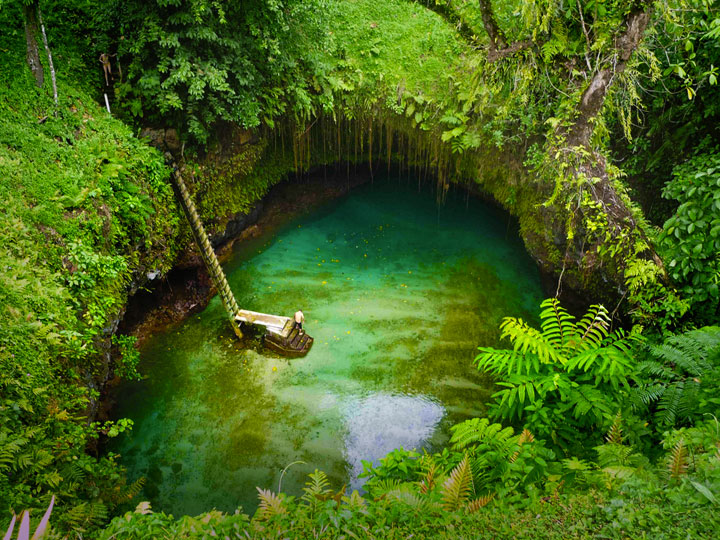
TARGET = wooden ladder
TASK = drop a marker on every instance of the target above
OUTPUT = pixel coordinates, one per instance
(206, 250)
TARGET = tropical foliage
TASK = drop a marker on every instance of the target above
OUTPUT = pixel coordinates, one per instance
(199, 63)
(691, 238)
(619, 494)
(678, 379)
(574, 116)
(563, 379)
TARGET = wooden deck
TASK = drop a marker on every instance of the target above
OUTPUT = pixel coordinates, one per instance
(274, 323)
(281, 336)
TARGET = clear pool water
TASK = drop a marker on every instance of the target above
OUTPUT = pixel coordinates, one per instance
(398, 293)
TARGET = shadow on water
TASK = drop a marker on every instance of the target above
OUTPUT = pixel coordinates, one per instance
(397, 292)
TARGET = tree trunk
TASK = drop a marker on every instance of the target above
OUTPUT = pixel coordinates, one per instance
(32, 31)
(581, 249)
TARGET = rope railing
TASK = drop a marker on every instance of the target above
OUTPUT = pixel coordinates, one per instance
(206, 250)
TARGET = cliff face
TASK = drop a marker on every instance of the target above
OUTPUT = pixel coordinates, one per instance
(231, 182)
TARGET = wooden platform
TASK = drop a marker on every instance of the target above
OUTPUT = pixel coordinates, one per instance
(273, 323)
(280, 336)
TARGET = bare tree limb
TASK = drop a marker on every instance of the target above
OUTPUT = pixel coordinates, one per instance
(49, 56)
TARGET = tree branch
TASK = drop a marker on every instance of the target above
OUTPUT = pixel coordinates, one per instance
(498, 54)
(499, 47)
(497, 38)
(593, 97)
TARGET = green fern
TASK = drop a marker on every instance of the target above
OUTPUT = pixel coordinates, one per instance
(480, 431)
(565, 375)
(380, 488)
(677, 460)
(317, 486)
(614, 434)
(316, 490)
(85, 516)
(557, 324)
(270, 505)
(355, 502)
(671, 378)
(409, 498)
(456, 488)
(476, 504)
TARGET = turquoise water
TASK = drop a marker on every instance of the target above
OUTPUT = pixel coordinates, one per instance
(398, 293)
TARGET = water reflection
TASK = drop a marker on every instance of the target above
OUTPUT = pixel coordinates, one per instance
(379, 423)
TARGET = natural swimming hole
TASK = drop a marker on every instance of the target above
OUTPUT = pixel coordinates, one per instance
(397, 291)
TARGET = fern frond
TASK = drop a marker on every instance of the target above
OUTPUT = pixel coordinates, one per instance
(575, 465)
(525, 437)
(317, 486)
(592, 328)
(557, 325)
(526, 339)
(669, 404)
(608, 360)
(123, 493)
(614, 434)
(477, 504)
(407, 497)
(677, 464)
(691, 352)
(456, 488)
(655, 368)
(270, 505)
(476, 431)
(685, 360)
(355, 501)
(585, 400)
(613, 454)
(505, 361)
(74, 473)
(427, 484)
(86, 516)
(379, 489)
(647, 395)
(706, 339)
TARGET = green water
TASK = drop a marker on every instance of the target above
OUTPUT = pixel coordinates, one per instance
(397, 291)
